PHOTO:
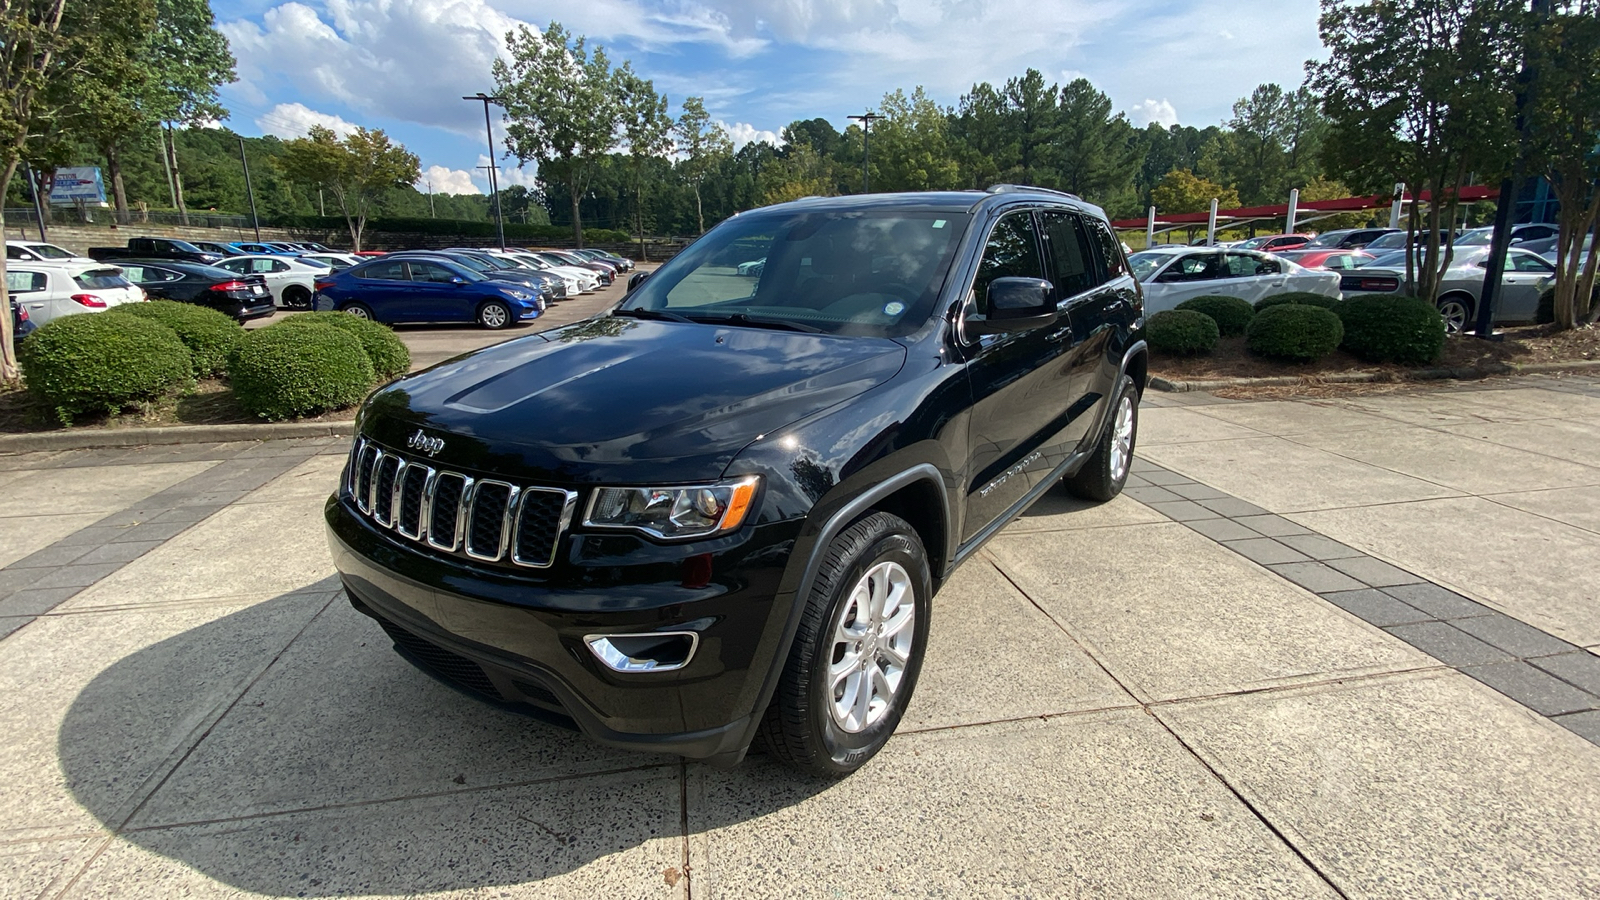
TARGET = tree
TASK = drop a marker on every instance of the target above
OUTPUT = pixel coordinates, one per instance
(1562, 112)
(356, 171)
(1255, 157)
(1419, 91)
(911, 150)
(561, 106)
(1094, 150)
(648, 131)
(802, 173)
(1182, 192)
(704, 143)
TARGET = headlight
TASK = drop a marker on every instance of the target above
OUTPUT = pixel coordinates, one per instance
(674, 513)
(519, 295)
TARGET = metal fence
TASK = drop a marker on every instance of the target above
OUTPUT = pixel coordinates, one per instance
(105, 216)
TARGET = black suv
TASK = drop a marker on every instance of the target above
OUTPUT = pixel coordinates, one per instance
(720, 511)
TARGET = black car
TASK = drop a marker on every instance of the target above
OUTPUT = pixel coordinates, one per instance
(1347, 238)
(719, 512)
(241, 296)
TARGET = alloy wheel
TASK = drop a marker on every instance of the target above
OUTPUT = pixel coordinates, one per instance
(1122, 438)
(872, 642)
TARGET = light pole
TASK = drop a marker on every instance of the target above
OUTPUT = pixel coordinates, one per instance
(249, 190)
(494, 182)
(866, 119)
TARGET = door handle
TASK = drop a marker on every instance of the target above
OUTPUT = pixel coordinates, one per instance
(1059, 333)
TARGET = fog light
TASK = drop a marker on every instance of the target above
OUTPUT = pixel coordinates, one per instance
(658, 651)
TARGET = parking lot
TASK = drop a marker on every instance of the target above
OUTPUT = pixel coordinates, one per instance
(1318, 648)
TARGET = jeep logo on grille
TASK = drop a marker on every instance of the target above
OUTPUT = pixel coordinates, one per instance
(428, 445)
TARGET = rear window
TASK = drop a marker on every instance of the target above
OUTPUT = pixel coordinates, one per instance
(101, 279)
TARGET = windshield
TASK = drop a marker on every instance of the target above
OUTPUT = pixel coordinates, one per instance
(1331, 239)
(1477, 237)
(49, 251)
(100, 279)
(186, 247)
(1252, 243)
(859, 272)
(1145, 264)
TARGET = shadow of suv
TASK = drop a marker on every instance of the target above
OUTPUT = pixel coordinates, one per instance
(719, 512)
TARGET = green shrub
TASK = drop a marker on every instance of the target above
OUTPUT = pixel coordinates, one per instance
(86, 362)
(279, 372)
(1392, 328)
(209, 335)
(384, 349)
(1303, 298)
(1294, 331)
(1182, 332)
(1231, 314)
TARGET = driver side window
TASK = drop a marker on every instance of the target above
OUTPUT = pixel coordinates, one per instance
(1012, 251)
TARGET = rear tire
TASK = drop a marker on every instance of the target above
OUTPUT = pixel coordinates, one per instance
(855, 659)
(296, 298)
(1457, 311)
(495, 315)
(360, 311)
(1106, 470)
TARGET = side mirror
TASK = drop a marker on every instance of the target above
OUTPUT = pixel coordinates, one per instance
(457, 280)
(636, 279)
(1015, 304)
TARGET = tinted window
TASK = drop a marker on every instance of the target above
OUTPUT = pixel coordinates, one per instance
(1527, 262)
(388, 271)
(1115, 264)
(1196, 267)
(1071, 271)
(234, 265)
(1145, 264)
(1245, 265)
(150, 274)
(99, 279)
(14, 252)
(432, 272)
(25, 282)
(1012, 252)
(49, 251)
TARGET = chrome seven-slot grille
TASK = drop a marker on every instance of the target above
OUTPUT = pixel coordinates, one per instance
(483, 518)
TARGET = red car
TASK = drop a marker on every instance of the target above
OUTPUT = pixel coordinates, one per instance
(1337, 260)
(1275, 243)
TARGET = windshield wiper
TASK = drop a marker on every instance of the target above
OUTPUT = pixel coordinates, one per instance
(656, 314)
(755, 322)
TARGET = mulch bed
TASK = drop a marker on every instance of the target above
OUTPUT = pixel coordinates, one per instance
(210, 403)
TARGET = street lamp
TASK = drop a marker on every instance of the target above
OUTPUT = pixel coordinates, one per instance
(494, 182)
(866, 119)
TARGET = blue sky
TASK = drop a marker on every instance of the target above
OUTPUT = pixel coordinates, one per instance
(402, 65)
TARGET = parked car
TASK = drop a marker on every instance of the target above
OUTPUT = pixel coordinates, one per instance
(334, 261)
(291, 280)
(222, 250)
(1520, 234)
(38, 251)
(1347, 238)
(402, 290)
(155, 248)
(1527, 276)
(1546, 247)
(242, 297)
(623, 263)
(1274, 243)
(21, 324)
(1172, 276)
(1396, 240)
(604, 268)
(538, 283)
(49, 291)
(257, 249)
(582, 280)
(1335, 260)
(711, 515)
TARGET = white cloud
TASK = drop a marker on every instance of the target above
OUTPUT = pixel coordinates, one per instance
(440, 180)
(742, 133)
(510, 173)
(293, 120)
(1160, 112)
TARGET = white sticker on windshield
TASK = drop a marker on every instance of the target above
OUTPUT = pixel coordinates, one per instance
(894, 308)
(938, 223)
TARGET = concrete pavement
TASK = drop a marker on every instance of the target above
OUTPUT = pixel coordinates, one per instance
(1327, 648)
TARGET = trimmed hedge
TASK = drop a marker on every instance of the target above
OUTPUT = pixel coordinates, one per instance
(95, 361)
(1294, 331)
(209, 335)
(279, 372)
(463, 227)
(1182, 332)
(384, 349)
(1303, 298)
(1231, 314)
(1392, 328)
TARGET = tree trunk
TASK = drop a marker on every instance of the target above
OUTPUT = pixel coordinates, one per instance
(177, 175)
(638, 217)
(8, 350)
(573, 191)
(699, 211)
(119, 194)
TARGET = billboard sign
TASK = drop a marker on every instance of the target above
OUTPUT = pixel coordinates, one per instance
(75, 183)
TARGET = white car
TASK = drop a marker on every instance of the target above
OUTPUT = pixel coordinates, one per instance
(37, 251)
(50, 291)
(336, 262)
(1170, 276)
(578, 281)
(292, 282)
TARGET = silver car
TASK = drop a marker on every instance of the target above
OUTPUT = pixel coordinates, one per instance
(1171, 276)
(1527, 277)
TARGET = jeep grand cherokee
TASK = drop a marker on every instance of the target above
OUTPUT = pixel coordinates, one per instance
(719, 512)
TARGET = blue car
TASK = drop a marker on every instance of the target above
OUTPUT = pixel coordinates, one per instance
(425, 290)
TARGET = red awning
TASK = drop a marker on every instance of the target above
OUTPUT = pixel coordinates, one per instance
(1347, 204)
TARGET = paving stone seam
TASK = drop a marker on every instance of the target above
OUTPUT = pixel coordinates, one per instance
(1135, 704)
(685, 869)
(1405, 605)
(73, 876)
(120, 526)
(1596, 470)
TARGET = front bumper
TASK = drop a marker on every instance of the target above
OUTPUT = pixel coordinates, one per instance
(518, 637)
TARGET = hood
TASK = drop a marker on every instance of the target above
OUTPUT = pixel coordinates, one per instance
(622, 400)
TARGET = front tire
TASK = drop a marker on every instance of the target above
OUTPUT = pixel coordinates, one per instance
(360, 311)
(857, 654)
(1106, 470)
(494, 315)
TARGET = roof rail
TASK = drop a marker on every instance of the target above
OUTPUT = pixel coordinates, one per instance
(1028, 188)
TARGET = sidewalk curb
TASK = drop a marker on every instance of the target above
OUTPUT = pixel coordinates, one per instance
(171, 434)
(1464, 373)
